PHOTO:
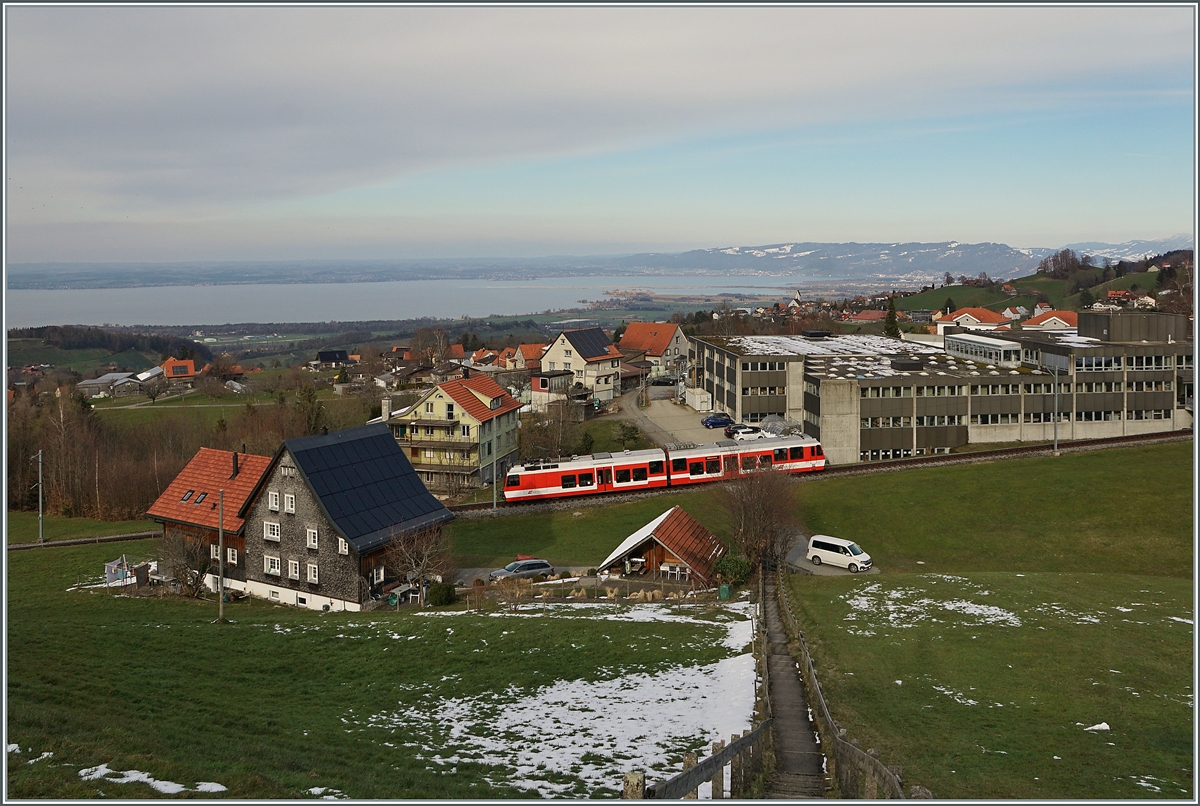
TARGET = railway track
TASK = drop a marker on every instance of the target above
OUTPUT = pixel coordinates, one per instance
(863, 469)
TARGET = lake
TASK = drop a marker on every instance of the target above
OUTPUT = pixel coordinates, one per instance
(349, 302)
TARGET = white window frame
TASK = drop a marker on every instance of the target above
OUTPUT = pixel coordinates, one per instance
(313, 574)
(378, 573)
(214, 551)
(289, 503)
(271, 565)
(311, 538)
(231, 556)
(271, 530)
(466, 431)
(343, 546)
(273, 501)
(294, 569)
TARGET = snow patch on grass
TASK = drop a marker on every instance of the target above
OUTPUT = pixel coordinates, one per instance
(102, 772)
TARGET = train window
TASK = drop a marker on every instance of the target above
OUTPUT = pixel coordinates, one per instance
(656, 467)
(585, 479)
(696, 469)
(796, 453)
(639, 474)
(764, 460)
(818, 451)
(679, 465)
(512, 481)
(749, 463)
(712, 465)
(781, 454)
(568, 482)
(622, 476)
(605, 476)
(731, 464)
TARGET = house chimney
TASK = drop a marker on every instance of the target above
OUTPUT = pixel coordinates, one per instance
(325, 430)
(235, 467)
(387, 408)
(243, 447)
(466, 372)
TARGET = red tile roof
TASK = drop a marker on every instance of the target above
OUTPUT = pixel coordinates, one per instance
(869, 316)
(532, 352)
(207, 472)
(1068, 318)
(462, 392)
(171, 368)
(456, 351)
(982, 315)
(652, 338)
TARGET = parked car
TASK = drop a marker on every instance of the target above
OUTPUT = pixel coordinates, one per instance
(718, 420)
(757, 433)
(664, 380)
(835, 551)
(731, 430)
(522, 569)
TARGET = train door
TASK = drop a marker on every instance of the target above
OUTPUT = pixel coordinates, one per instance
(603, 479)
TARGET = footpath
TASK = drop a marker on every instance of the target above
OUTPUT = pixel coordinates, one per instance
(799, 762)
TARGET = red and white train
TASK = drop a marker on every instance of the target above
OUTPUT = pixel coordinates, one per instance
(645, 470)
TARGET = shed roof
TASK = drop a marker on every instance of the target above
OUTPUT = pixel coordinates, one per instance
(211, 470)
(682, 535)
(365, 484)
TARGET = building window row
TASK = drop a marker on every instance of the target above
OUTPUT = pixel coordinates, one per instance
(1046, 416)
(763, 366)
(886, 391)
(812, 389)
(1140, 362)
(1106, 386)
(1097, 416)
(214, 552)
(1098, 363)
(995, 419)
(996, 389)
(759, 416)
(885, 422)
(810, 417)
(938, 419)
(940, 391)
(1185, 362)
(1047, 388)
(762, 390)
(886, 453)
(1149, 386)
(1148, 414)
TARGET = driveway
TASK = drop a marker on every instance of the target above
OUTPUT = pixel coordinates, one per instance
(664, 422)
(796, 559)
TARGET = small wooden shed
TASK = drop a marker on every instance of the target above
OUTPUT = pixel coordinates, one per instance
(674, 544)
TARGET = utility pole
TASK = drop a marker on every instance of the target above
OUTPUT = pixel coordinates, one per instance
(39, 489)
(494, 452)
(1056, 410)
(221, 556)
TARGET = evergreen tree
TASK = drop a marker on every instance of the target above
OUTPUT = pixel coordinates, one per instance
(891, 328)
(949, 306)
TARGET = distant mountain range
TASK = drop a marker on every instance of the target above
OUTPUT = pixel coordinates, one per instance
(900, 263)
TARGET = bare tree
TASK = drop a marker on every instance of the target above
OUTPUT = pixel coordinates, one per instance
(432, 344)
(420, 556)
(761, 508)
(510, 592)
(550, 434)
(190, 564)
(154, 387)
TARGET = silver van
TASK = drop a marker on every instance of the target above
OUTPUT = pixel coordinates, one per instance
(835, 551)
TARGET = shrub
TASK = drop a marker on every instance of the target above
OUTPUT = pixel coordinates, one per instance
(441, 594)
(591, 572)
(733, 569)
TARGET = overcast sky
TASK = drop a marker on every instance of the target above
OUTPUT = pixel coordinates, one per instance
(161, 134)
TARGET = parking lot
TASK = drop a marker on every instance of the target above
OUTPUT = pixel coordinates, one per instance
(664, 421)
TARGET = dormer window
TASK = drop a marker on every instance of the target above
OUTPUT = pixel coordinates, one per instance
(187, 495)
(495, 403)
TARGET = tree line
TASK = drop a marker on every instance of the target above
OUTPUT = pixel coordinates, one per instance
(72, 337)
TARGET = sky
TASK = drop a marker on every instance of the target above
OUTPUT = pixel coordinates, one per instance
(142, 134)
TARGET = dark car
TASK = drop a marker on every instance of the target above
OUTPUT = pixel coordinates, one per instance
(664, 380)
(718, 420)
(732, 429)
(522, 569)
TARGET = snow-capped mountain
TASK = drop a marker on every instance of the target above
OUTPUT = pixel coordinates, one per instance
(1133, 250)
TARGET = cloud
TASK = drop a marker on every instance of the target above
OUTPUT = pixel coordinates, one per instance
(177, 114)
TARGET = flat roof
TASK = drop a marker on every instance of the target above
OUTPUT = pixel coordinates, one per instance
(986, 341)
(880, 367)
(829, 345)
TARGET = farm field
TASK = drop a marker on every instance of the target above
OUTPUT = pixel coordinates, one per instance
(1028, 601)
(555, 700)
(22, 527)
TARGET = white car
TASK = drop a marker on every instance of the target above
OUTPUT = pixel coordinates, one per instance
(835, 551)
(743, 436)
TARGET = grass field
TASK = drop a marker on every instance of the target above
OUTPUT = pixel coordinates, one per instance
(23, 527)
(1019, 603)
(286, 703)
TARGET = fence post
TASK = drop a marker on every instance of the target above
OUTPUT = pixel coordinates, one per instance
(635, 786)
(718, 779)
(689, 761)
(735, 772)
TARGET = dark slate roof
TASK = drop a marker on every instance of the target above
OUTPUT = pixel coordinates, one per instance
(366, 485)
(332, 356)
(589, 343)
